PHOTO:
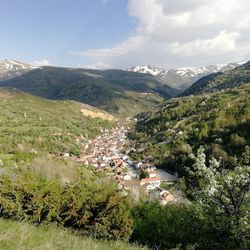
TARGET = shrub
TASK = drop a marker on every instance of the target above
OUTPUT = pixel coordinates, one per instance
(89, 206)
(166, 227)
(237, 140)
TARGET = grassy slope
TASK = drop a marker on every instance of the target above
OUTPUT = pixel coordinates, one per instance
(220, 121)
(116, 91)
(219, 81)
(29, 123)
(14, 235)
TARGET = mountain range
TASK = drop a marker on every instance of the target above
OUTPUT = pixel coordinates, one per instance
(182, 78)
(115, 91)
(221, 81)
(120, 92)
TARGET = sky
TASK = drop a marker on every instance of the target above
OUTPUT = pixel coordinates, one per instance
(123, 33)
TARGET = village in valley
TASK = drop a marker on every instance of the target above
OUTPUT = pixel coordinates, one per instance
(107, 153)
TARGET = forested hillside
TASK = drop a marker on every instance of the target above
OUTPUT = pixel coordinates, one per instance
(116, 91)
(32, 125)
(219, 121)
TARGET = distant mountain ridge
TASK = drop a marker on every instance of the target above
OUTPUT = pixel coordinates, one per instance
(221, 80)
(121, 92)
(117, 91)
(11, 68)
(184, 77)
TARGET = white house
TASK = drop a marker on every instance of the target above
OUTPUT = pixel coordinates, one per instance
(151, 183)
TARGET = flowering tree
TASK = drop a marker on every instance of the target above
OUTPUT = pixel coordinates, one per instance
(225, 196)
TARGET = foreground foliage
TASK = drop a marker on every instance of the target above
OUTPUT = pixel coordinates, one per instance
(14, 235)
(91, 206)
(170, 226)
(217, 218)
(225, 197)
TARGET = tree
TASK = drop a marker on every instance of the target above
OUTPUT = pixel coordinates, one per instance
(166, 227)
(143, 174)
(224, 195)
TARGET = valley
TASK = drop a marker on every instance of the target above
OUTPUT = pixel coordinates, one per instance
(125, 125)
(112, 153)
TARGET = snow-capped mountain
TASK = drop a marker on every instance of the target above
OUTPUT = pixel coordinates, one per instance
(147, 69)
(185, 76)
(10, 68)
(206, 70)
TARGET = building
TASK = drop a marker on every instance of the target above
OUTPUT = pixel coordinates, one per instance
(151, 183)
(166, 197)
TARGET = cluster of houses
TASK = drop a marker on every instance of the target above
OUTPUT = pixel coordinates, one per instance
(104, 153)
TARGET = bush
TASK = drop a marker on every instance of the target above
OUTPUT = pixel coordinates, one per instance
(166, 227)
(89, 206)
(237, 140)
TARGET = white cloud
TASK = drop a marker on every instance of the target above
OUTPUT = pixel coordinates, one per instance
(133, 43)
(43, 62)
(222, 43)
(180, 32)
(98, 65)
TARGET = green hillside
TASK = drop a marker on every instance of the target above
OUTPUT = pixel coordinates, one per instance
(14, 235)
(219, 121)
(32, 125)
(116, 91)
(221, 81)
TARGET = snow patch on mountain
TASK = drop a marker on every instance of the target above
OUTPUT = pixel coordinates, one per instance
(185, 76)
(147, 69)
(11, 68)
(186, 71)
